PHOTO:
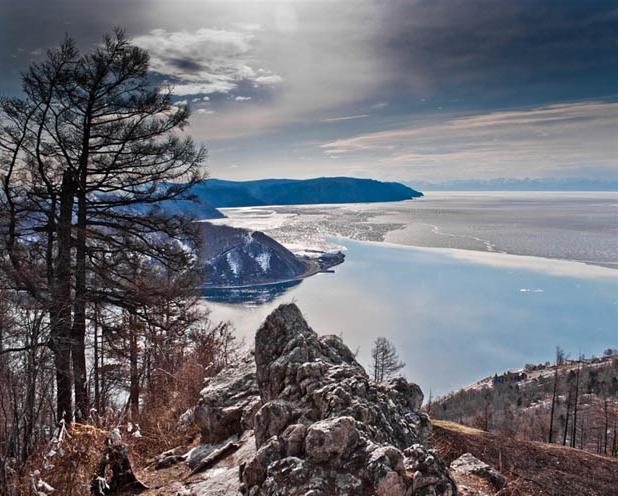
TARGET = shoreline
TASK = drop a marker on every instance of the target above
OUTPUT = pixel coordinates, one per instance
(552, 266)
(315, 268)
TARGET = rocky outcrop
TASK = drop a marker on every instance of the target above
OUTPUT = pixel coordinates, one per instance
(320, 425)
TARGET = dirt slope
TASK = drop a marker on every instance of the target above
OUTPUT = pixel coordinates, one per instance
(532, 468)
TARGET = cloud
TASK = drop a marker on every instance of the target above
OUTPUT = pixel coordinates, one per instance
(242, 98)
(204, 61)
(379, 105)
(345, 118)
(516, 50)
(519, 143)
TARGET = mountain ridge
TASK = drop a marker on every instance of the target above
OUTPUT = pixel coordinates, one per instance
(222, 193)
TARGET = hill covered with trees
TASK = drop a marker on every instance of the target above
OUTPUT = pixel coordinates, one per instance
(220, 194)
(572, 403)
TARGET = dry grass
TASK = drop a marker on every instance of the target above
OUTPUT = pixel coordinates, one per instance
(532, 468)
(74, 466)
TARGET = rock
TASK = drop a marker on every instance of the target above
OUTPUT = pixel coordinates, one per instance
(223, 479)
(317, 424)
(214, 456)
(228, 402)
(332, 439)
(324, 428)
(467, 466)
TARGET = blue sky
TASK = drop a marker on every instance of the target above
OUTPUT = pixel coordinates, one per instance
(432, 91)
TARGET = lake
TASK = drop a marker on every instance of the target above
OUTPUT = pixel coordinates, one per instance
(460, 306)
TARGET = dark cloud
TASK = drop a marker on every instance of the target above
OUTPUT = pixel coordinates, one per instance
(503, 49)
(186, 64)
(278, 78)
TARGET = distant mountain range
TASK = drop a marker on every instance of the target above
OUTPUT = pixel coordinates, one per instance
(505, 184)
(220, 194)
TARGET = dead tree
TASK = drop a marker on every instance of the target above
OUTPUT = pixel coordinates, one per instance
(559, 355)
(575, 407)
(115, 462)
(384, 360)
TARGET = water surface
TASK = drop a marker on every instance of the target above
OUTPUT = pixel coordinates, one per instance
(464, 284)
(453, 319)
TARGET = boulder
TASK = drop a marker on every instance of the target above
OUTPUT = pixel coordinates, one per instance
(470, 469)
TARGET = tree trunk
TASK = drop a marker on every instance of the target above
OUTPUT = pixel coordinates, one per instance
(97, 390)
(553, 406)
(60, 311)
(566, 422)
(134, 386)
(606, 411)
(614, 445)
(78, 337)
(574, 435)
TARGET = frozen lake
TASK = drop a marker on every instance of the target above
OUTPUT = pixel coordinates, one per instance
(455, 301)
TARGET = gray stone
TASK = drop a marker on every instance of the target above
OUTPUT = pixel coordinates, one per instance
(228, 402)
(357, 437)
(469, 464)
(321, 426)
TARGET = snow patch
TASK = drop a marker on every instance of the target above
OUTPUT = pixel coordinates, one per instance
(263, 259)
(233, 262)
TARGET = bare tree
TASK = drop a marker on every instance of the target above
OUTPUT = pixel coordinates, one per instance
(559, 361)
(88, 156)
(385, 361)
(575, 409)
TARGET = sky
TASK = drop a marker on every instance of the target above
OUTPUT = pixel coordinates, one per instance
(416, 90)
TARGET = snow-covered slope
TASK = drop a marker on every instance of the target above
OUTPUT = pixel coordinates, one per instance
(239, 257)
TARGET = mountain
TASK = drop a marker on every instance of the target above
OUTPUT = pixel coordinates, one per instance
(239, 257)
(199, 209)
(221, 194)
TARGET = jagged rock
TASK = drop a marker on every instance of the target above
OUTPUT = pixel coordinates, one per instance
(324, 428)
(228, 402)
(468, 465)
(214, 456)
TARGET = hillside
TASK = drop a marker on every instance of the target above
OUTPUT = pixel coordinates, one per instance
(297, 415)
(531, 468)
(220, 194)
(234, 257)
(519, 403)
(197, 208)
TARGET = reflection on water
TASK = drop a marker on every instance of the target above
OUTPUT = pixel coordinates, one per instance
(255, 295)
(452, 320)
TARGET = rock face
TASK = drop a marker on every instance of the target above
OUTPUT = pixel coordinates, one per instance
(320, 426)
(228, 402)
